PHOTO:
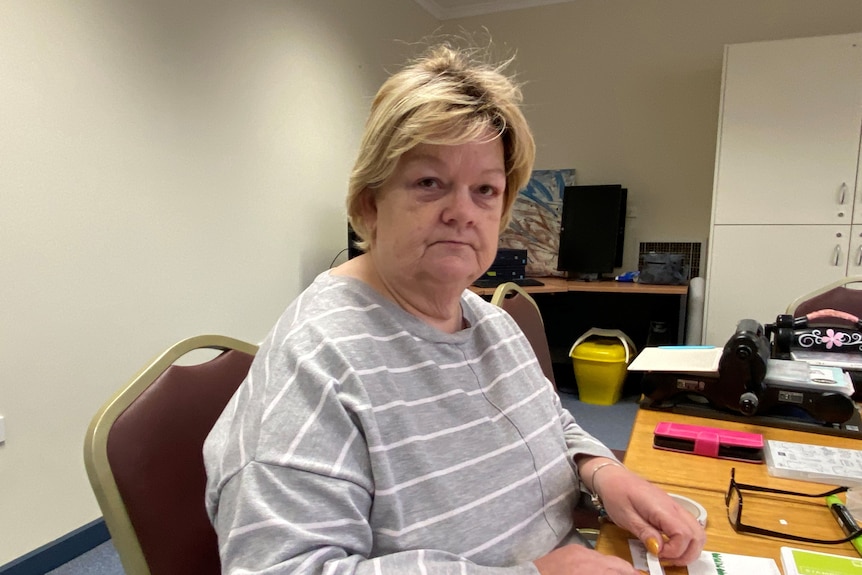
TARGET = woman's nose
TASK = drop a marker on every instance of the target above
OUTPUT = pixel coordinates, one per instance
(460, 207)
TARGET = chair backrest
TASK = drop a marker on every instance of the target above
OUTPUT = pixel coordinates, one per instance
(143, 454)
(835, 296)
(524, 310)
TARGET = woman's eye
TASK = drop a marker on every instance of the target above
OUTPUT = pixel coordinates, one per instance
(427, 183)
(488, 191)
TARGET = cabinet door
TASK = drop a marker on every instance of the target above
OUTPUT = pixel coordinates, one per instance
(857, 203)
(854, 257)
(789, 131)
(755, 272)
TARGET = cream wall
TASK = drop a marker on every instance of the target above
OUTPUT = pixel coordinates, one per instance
(166, 169)
(627, 91)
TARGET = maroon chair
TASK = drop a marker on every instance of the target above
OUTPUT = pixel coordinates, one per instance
(835, 296)
(524, 310)
(143, 454)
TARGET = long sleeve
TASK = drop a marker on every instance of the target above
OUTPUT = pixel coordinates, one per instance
(578, 440)
(364, 440)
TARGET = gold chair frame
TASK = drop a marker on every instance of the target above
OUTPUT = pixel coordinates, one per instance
(533, 328)
(504, 289)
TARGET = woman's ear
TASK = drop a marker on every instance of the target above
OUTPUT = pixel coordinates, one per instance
(368, 207)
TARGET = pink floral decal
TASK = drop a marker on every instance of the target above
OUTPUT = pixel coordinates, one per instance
(832, 338)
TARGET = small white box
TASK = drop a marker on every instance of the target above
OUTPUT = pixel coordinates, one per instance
(817, 463)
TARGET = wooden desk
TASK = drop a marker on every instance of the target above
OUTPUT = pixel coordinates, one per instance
(560, 285)
(705, 480)
(555, 285)
(713, 474)
(809, 518)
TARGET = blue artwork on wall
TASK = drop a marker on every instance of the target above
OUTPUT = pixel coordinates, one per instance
(535, 224)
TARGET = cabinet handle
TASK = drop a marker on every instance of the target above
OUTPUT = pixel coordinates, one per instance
(859, 257)
(842, 193)
(837, 257)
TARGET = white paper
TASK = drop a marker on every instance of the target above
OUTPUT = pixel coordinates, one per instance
(678, 360)
(709, 563)
(712, 563)
(655, 567)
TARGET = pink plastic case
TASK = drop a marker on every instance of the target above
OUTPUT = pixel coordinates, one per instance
(709, 441)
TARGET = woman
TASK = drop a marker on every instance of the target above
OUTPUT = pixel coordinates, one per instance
(395, 422)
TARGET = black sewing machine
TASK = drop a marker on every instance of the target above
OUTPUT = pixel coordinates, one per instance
(743, 386)
(826, 337)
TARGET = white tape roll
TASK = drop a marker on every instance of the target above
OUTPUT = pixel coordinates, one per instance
(692, 506)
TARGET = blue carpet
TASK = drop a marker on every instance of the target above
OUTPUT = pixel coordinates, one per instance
(100, 560)
(610, 424)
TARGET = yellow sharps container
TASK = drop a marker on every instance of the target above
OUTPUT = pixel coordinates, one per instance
(600, 358)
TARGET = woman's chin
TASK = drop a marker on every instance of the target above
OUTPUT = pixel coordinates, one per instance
(457, 278)
(449, 270)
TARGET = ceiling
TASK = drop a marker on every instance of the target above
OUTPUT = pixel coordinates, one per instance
(448, 9)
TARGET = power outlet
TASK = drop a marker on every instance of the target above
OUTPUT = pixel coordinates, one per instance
(2, 429)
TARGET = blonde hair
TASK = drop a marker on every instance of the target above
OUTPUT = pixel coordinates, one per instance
(445, 97)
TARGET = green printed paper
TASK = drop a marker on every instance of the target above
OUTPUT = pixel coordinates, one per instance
(822, 564)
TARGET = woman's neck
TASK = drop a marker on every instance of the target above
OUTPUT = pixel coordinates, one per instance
(440, 308)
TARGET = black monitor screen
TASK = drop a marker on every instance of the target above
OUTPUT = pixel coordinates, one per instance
(592, 226)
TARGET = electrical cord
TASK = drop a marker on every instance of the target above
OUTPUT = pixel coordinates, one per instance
(336, 257)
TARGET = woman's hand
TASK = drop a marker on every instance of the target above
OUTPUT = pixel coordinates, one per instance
(579, 560)
(647, 512)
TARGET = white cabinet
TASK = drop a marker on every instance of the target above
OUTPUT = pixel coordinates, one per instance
(785, 196)
(854, 262)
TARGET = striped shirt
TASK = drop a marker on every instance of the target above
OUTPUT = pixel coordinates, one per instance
(366, 441)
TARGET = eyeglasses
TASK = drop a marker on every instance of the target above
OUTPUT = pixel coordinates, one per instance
(733, 502)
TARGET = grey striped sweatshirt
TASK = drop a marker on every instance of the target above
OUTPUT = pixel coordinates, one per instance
(366, 441)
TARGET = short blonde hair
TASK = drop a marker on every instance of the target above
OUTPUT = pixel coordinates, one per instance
(445, 97)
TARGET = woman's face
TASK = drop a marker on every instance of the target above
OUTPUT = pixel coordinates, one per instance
(437, 218)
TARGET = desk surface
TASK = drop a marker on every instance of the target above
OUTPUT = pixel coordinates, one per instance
(559, 285)
(705, 480)
(710, 473)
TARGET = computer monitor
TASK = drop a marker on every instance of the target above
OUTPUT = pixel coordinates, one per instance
(592, 230)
